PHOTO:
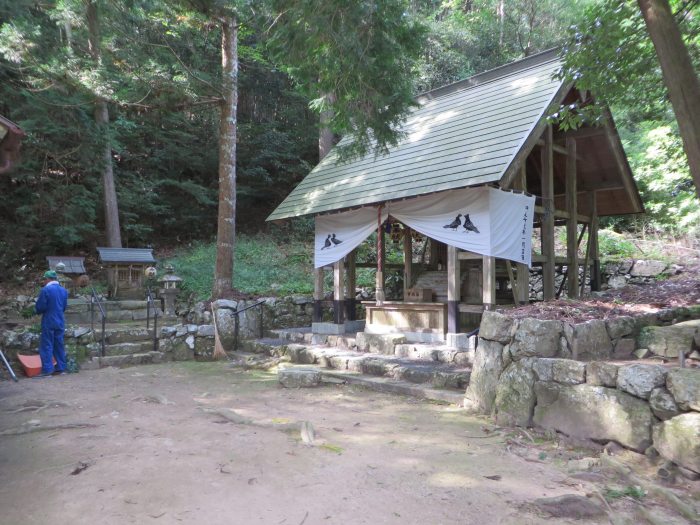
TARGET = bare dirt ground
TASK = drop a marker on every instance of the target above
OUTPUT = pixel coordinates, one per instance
(203, 443)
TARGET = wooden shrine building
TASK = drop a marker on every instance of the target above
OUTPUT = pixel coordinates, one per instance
(126, 269)
(487, 130)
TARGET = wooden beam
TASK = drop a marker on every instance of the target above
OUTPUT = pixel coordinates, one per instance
(453, 291)
(572, 223)
(350, 282)
(562, 214)
(581, 133)
(338, 293)
(595, 256)
(523, 278)
(513, 284)
(512, 171)
(317, 315)
(489, 282)
(407, 259)
(548, 215)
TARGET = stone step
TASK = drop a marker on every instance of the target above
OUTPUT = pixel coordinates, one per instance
(393, 386)
(121, 349)
(439, 375)
(388, 344)
(126, 334)
(125, 360)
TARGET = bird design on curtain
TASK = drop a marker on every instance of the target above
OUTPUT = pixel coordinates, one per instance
(331, 241)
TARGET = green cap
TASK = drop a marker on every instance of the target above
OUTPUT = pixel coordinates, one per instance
(50, 274)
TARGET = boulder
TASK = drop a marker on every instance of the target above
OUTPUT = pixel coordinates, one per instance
(543, 368)
(379, 343)
(643, 268)
(488, 363)
(684, 385)
(299, 377)
(515, 396)
(617, 281)
(662, 404)
(620, 326)
(495, 327)
(535, 338)
(205, 330)
(226, 326)
(594, 412)
(569, 372)
(678, 440)
(639, 380)
(601, 374)
(300, 354)
(591, 340)
(669, 341)
(624, 348)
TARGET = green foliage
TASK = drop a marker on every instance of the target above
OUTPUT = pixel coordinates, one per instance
(264, 265)
(614, 245)
(631, 491)
(354, 58)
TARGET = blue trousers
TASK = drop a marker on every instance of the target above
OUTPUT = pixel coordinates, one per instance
(50, 348)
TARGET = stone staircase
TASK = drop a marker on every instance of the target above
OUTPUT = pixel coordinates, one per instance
(127, 339)
(381, 362)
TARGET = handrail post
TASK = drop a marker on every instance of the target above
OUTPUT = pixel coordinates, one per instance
(262, 329)
(235, 332)
(155, 330)
(102, 351)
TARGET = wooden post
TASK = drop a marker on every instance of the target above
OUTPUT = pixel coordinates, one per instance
(548, 217)
(317, 316)
(453, 291)
(350, 302)
(379, 293)
(571, 222)
(489, 282)
(595, 255)
(407, 260)
(338, 293)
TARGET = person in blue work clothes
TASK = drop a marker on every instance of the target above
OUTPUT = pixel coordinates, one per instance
(51, 304)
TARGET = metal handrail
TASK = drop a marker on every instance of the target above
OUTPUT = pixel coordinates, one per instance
(151, 303)
(94, 299)
(237, 324)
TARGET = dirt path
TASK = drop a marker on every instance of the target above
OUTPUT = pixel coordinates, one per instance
(161, 444)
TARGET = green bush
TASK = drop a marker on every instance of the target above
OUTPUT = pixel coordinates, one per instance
(615, 245)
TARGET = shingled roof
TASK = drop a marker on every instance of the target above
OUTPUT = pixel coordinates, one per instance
(464, 134)
(126, 255)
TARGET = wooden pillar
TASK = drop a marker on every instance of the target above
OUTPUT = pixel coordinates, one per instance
(548, 217)
(338, 293)
(317, 316)
(595, 254)
(350, 302)
(407, 260)
(453, 291)
(379, 292)
(572, 222)
(522, 271)
(489, 282)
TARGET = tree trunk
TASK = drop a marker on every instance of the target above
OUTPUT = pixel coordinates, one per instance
(112, 229)
(679, 76)
(226, 223)
(325, 134)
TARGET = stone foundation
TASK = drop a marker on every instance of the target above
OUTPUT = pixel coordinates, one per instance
(525, 374)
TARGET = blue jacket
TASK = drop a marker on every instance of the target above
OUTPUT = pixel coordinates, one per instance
(51, 303)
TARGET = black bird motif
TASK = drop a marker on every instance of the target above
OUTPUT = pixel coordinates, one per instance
(455, 223)
(469, 225)
(335, 241)
(327, 244)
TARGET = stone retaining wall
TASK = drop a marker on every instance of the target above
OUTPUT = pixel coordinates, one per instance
(524, 375)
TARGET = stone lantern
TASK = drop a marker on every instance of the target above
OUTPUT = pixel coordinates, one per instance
(169, 289)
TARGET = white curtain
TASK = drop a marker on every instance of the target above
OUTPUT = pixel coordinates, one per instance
(483, 220)
(340, 233)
